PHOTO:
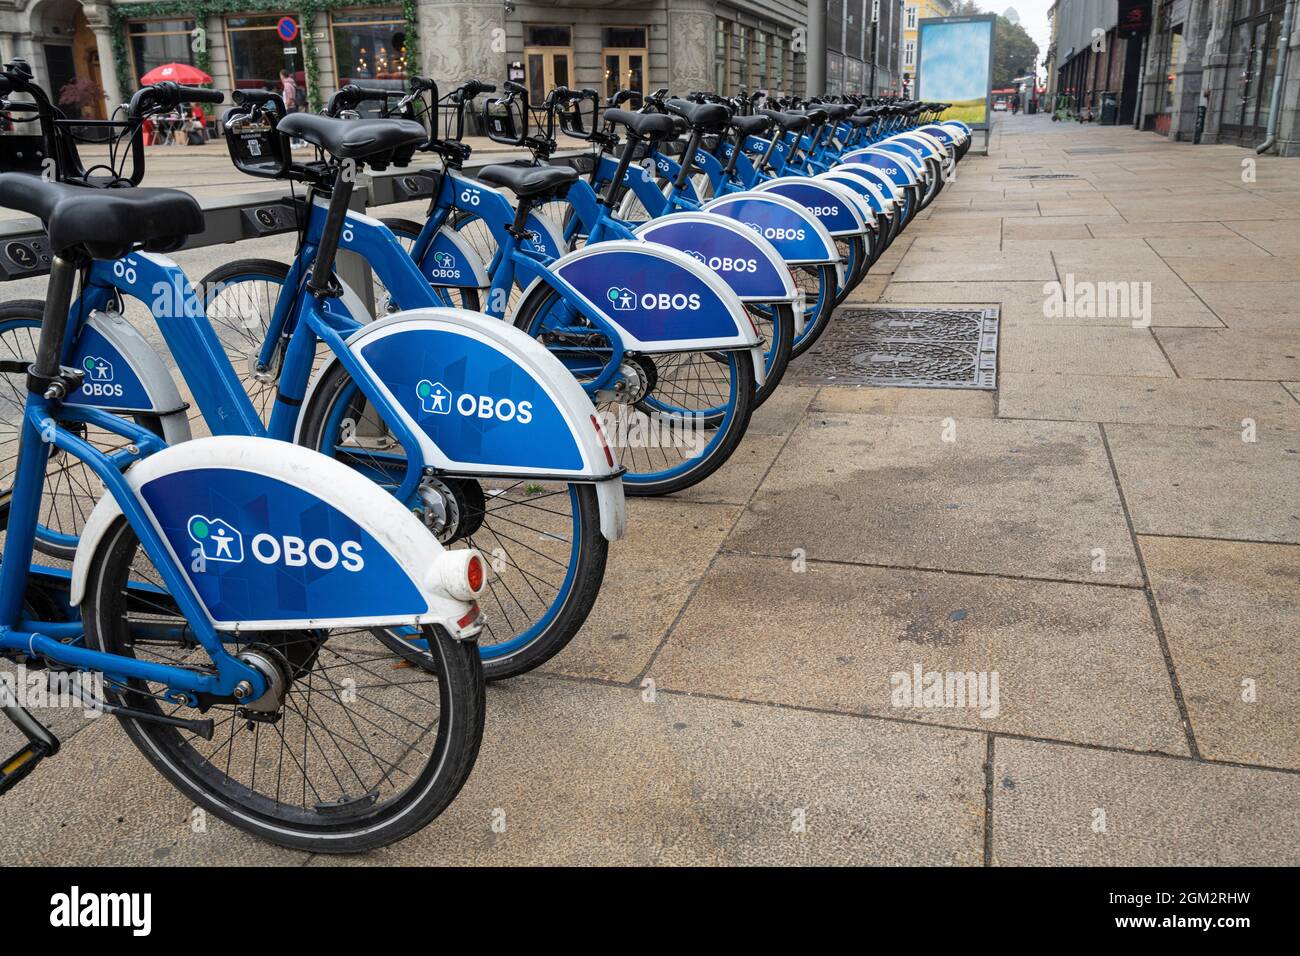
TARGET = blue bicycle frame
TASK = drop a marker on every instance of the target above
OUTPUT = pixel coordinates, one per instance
(39, 433)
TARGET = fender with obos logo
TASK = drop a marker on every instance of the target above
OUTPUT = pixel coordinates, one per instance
(870, 192)
(796, 233)
(837, 209)
(484, 398)
(123, 372)
(744, 260)
(273, 536)
(899, 171)
(451, 261)
(909, 154)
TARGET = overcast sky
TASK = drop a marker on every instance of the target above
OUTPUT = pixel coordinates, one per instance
(1033, 17)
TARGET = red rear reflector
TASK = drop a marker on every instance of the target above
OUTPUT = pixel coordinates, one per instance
(474, 573)
(470, 617)
(604, 445)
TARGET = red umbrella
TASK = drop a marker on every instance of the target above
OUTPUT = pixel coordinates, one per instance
(181, 73)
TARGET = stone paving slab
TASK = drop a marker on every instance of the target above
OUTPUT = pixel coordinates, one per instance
(584, 774)
(1252, 268)
(1253, 306)
(1072, 661)
(1228, 247)
(1159, 811)
(937, 403)
(1230, 354)
(1079, 350)
(98, 802)
(1145, 401)
(1230, 614)
(1208, 482)
(1281, 238)
(1157, 230)
(1020, 498)
(975, 266)
(648, 578)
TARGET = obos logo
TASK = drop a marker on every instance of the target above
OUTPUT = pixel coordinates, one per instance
(725, 263)
(778, 232)
(220, 541)
(437, 399)
(444, 266)
(99, 378)
(625, 300)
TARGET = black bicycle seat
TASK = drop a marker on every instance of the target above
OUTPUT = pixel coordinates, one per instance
(353, 138)
(653, 125)
(107, 223)
(789, 122)
(752, 125)
(528, 181)
(702, 116)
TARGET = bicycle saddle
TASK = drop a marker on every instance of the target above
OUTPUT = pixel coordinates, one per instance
(653, 125)
(353, 138)
(817, 115)
(107, 223)
(528, 181)
(837, 111)
(862, 119)
(708, 116)
(751, 125)
(789, 122)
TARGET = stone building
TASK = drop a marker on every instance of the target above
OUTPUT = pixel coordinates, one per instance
(779, 45)
(1169, 60)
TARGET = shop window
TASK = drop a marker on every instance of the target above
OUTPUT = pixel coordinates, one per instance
(155, 43)
(777, 83)
(760, 61)
(742, 57)
(548, 35)
(258, 54)
(370, 48)
(721, 56)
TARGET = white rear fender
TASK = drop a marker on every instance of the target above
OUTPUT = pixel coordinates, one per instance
(273, 536)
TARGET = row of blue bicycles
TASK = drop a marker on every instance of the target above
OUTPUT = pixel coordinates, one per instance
(361, 483)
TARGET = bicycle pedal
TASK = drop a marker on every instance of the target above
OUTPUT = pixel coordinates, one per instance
(21, 764)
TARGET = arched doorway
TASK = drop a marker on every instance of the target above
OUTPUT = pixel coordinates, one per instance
(67, 56)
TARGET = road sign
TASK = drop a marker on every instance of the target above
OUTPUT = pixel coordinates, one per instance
(287, 28)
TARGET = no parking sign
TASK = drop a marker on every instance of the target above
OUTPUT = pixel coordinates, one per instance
(288, 29)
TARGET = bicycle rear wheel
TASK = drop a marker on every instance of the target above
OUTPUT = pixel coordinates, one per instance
(358, 753)
(684, 413)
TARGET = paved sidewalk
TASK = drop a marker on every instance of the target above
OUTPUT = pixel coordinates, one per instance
(1114, 533)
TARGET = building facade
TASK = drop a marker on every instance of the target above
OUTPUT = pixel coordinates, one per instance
(1176, 65)
(683, 45)
(913, 12)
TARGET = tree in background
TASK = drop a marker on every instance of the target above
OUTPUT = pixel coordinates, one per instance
(1014, 53)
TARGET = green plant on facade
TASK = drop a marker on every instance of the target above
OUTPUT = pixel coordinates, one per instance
(200, 11)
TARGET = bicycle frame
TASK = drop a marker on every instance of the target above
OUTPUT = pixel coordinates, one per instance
(39, 432)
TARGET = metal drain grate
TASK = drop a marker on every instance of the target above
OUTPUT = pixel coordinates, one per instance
(1047, 176)
(921, 347)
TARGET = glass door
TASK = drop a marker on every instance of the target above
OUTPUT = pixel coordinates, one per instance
(548, 60)
(624, 59)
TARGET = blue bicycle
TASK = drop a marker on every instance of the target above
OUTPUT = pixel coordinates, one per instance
(227, 594)
(472, 426)
(661, 345)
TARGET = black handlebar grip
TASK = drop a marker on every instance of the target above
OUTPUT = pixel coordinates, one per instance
(197, 94)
